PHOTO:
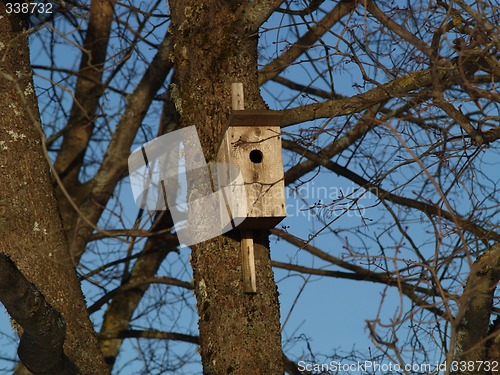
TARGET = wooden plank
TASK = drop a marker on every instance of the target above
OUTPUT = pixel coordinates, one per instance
(237, 96)
(247, 252)
(248, 262)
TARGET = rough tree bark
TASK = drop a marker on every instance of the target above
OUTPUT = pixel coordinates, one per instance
(476, 340)
(41, 327)
(30, 225)
(215, 44)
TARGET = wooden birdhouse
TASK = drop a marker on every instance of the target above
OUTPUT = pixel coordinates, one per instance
(252, 141)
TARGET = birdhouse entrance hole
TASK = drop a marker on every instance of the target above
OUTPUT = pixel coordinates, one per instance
(256, 156)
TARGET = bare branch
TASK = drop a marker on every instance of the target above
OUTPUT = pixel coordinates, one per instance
(43, 327)
(492, 135)
(256, 12)
(165, 234)
(398, 29)
(275, 67)
(155, 250)
(115, 160)
(88, 90)
(340, 144)
(460, 118)
(114, 165)
(157, 335)
(137, 283)
(464, 223)
(311, 7)
(306, 89)
(292, 368)
(339, 107)
(359, 273)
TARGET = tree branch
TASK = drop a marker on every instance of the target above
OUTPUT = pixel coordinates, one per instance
(88, 90)
(311, 7)
(398, 29)
(156, 248)
(492, 135)
(115, 159)
(165, 234)
(158, 335)
(465, 224)
(306, 89)
(339, 107)
(137, 283)
(43, 328)
(341, 143)
(359, 273)
(114, 164)
(255, 13)
(292, 368)
(460, 119)
(275, 67)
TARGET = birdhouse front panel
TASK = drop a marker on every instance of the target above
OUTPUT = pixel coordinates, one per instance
(256, 149)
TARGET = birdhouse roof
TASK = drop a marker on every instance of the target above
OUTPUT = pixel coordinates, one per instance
(255, 118)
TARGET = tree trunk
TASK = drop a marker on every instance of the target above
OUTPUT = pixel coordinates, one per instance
(30, 225)
(473, 319)
(239, 333)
